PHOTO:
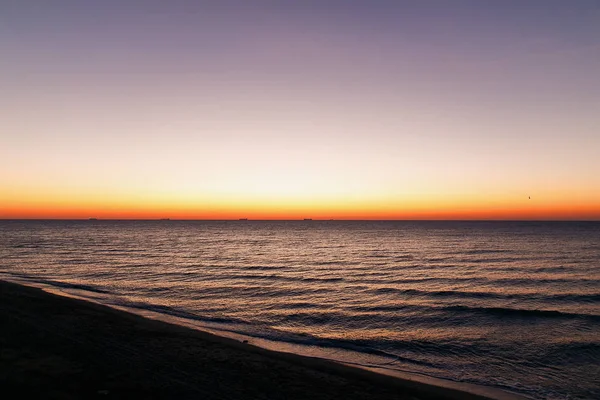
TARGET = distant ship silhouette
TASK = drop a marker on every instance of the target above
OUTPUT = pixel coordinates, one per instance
(308, 219)
(93, 219)
(243, 219)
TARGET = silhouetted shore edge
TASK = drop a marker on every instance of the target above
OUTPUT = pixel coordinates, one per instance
(30, 310)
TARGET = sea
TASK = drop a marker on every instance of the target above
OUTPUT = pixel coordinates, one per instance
(513, 306)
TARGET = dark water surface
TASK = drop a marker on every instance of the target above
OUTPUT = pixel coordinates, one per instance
(512, 305)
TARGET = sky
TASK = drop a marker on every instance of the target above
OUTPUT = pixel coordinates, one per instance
(300, 109)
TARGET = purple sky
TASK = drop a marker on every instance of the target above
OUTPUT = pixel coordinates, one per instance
(390, 100)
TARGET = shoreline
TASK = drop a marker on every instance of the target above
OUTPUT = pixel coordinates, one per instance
(25, 300)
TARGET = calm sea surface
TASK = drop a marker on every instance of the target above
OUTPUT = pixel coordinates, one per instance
(512, 305)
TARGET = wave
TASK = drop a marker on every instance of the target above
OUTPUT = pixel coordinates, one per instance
(575, 297)
(488, 281)
(370, 347)
(521, 312)
(262, 277)
(419, 314)
(26, 246)
(175, 312)
(552, 281)
(64, 285)
(571, 297)
(439, 293)
(336, 262)
(483, 251)
(265, 267)
(467, 261)
(261, 291)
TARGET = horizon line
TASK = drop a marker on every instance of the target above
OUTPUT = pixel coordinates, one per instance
(166, 219)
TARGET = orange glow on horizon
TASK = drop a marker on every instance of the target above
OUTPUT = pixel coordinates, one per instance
(389, 209)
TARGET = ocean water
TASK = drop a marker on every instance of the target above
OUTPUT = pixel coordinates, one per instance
(509, 305)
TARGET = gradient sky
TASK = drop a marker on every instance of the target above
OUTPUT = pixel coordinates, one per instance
(292, 109)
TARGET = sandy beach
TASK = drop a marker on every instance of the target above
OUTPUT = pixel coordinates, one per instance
(59, 347)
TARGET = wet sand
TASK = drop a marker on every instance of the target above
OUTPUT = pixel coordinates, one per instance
(58, 347)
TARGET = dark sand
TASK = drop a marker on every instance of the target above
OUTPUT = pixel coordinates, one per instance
(58, 347)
